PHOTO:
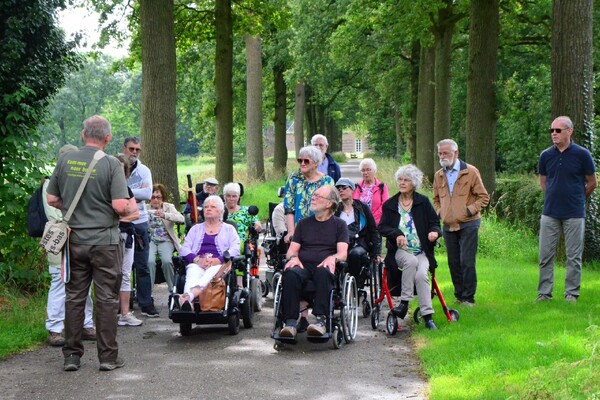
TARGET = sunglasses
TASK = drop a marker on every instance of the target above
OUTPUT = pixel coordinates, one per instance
(343, 187)
(156, 197)
(557, 130)
(134, 149)
(303, 161)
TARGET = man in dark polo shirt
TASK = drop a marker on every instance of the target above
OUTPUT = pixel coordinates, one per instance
(94, 242)
(318, 243)
(567, 177)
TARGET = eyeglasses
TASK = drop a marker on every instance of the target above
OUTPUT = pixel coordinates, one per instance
(445, 153)
(318, 196)
(156, 197)
(557, 130)
(134, 149)
(303, 161)
(320, 145)
(342, 187)
(366, 170)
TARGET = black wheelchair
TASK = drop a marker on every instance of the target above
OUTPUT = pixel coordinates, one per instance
(342, 320)
(369, 276)
(275, 250)
(249, 265)
(238, 301)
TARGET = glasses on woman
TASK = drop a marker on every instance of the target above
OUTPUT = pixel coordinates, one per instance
(303, 161)
(159, 197)
(342, 187)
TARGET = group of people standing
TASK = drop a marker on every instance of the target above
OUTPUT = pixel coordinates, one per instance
(328, 219)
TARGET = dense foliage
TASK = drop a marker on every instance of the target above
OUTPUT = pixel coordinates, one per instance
(35, 60)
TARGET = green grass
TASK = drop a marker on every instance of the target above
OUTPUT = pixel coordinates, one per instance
(508, 346)
(21, 321)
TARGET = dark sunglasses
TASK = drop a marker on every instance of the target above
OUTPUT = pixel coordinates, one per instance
(303, 161)
(342, 187)
(134, 149)
(557, 130)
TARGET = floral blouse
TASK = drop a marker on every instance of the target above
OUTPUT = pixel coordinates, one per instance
(407, 226)
(298, 194)
(244, 220)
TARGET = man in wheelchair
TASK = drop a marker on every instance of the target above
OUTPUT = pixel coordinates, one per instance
(318, 243)
(365, 242)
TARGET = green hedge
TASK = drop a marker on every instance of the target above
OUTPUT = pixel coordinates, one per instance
(519, 200)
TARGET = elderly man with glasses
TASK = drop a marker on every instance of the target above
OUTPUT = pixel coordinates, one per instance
(140, 183)
(320, 241)
(327, 165)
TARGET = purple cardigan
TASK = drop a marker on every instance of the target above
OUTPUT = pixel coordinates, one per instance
(227, 239)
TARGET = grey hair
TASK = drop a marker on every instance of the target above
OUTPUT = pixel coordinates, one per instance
(412, 173)
(445, 142)
(368, 162)
(132, 139)
(565, 120)
(318, 136)
(96, 128)
(334, 197)
(217, 201)
(311, 152)
(232, 187)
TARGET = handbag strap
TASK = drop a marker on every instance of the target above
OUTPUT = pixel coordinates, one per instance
(97, 156)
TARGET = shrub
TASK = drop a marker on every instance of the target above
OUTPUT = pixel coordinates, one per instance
(519, 200)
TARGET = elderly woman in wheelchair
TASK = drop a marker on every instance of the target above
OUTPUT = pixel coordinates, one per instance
(318, 244)
(204, 248)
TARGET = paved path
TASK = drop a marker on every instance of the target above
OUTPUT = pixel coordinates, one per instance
(210, 364)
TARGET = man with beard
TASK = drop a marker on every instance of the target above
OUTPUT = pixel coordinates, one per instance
(458, 198)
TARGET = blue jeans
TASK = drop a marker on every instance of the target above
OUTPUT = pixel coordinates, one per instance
(461, 247)
(573, 230)
(143, 283)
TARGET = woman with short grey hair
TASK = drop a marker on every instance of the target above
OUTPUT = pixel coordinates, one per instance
(370, 190)
(411, 227)
(300, 187)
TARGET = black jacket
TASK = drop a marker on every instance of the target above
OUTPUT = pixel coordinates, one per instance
(364, 225)
(425, 219)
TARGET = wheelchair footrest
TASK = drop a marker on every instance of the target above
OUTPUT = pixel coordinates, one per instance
(285, 339)
(319, 339)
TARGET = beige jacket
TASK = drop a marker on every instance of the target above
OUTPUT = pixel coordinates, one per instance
(468, 198)
(172, 216)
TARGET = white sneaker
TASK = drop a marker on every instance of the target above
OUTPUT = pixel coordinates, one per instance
(129, 319)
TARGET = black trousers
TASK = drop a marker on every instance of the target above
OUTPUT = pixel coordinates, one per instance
(300, 283)
(357, 257)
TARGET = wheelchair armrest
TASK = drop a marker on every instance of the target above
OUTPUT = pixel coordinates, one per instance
(179, 264)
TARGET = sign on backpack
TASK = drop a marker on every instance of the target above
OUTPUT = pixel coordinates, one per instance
(36, 216)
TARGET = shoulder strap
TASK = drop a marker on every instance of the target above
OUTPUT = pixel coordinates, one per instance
(381, 191)
(97, 156)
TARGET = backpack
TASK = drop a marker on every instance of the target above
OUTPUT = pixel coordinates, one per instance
(36, 216)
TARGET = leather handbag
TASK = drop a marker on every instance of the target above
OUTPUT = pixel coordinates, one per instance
(212, 298)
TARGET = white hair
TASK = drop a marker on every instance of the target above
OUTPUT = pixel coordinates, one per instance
(411, 173)
(217, 201)
(232, 187)
(318, 136)
(311, 152)
(445, 142)
(368, 162)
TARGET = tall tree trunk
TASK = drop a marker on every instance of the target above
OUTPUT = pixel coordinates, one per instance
(572, 91)
(321, 121)
(443, 62)
(280, 151)
(254, 139)
(425, 112)
(224, 91)
(158, 125)
(311, 114)
(299, 111)
(411, 139)
(481, 89)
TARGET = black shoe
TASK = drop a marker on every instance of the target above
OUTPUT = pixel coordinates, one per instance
(431, 325)
(400, 311)
(150, 311)
(186, 306)
(72, 363)
(302, 325)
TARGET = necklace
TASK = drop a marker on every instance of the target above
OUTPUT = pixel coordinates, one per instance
(211, 230)
(406, 205)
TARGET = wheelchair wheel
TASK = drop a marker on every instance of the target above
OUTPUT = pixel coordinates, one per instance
(350, 310)
(247, 313)
(391, 324)
(454, 314)
(374, 283)
(185, 328)
(233, 323)
(375, 317)
(417, 317)
(277, 296)
(338, 337)
(366, 309)
(256, 293)
(264, 286)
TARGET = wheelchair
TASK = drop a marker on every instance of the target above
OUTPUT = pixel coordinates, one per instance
(249, 265)
(238, 302)
(342, 320)
(275, 251)
(366, 277)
